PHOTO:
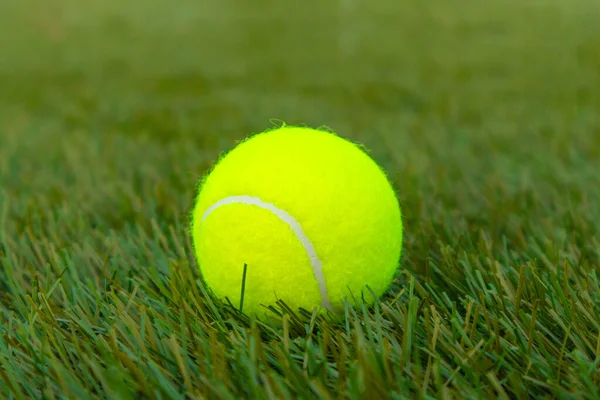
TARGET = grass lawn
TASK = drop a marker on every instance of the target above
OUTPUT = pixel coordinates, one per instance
(486, 114)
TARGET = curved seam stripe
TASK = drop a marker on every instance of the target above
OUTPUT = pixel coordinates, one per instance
(294, 225)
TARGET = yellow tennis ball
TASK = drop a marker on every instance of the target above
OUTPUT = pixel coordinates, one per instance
(310, 214)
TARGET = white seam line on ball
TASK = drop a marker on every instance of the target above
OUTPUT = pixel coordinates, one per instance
(294, 225)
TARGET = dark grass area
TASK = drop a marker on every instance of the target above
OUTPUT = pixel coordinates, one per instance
(485, 114)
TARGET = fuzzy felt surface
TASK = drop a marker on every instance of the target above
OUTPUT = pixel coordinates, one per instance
(342, 199)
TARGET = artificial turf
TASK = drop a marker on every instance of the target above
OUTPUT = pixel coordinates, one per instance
(486, 114)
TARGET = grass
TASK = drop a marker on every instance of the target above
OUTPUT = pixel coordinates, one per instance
(485, 114)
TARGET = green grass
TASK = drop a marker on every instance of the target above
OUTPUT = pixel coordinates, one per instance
(486, 115)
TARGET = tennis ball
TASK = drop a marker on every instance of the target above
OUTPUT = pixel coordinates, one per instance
(300, 215)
